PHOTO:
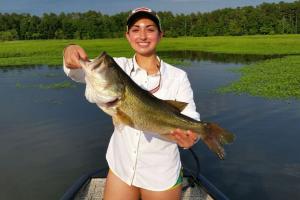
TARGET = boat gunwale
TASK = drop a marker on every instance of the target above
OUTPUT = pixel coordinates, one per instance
(199, 179)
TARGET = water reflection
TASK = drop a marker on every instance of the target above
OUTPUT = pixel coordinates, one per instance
(46, 146)
(216, 57)
(257, 163)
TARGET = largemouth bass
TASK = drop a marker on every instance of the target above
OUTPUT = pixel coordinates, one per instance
(118, 95)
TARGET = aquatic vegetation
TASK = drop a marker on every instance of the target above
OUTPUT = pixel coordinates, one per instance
(276, 78)
(52, 75)
(49, 52)
(61, 85)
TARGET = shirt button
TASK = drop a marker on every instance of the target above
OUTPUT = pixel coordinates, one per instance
(134, 151)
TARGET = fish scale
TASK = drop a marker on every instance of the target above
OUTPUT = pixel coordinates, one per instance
(133, 106)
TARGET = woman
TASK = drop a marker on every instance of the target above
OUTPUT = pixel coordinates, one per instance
(142, 165)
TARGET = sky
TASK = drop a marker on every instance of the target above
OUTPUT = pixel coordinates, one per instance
(111, 7)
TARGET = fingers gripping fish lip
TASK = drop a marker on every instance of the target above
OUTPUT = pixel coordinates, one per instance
(96, 64)
(83, 63)
(90, 66)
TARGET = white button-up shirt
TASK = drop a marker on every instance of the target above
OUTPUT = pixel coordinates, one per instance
(139, 158)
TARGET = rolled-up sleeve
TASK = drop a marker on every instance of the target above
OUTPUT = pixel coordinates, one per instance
(185, 94)
(75, 74)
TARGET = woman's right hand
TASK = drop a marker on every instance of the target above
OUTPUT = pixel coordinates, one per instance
(72, 54)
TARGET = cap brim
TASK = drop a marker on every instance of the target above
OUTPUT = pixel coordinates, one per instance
(131, 19)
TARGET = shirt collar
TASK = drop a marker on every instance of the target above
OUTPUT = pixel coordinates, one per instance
(135, 66)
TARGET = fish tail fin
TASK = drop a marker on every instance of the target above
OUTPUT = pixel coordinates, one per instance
(215, 137)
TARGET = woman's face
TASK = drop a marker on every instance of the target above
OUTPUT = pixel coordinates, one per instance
(144, 36)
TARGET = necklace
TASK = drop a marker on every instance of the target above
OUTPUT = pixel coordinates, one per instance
(152, 91)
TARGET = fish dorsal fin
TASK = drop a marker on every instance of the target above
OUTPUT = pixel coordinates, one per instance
(179, 105)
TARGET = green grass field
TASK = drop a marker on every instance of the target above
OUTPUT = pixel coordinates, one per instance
(49, 52)
(276, 78)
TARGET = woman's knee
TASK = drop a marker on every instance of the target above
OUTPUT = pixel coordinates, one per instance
(116, 189)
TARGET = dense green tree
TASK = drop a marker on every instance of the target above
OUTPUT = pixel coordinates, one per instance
(266, 18)
(8, 35)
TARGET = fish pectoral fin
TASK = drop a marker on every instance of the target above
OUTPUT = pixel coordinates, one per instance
(179, 105)
(118, 124)
(115, 121)
(122, 118)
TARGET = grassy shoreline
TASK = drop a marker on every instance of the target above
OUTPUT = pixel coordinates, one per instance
(49, 52)
(275, 78)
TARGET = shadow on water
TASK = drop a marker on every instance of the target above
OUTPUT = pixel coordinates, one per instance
(216, 57)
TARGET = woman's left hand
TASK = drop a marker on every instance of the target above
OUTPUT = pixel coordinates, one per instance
(184, 139)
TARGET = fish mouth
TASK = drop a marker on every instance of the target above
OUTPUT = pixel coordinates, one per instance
(112, 103)
(98, 62)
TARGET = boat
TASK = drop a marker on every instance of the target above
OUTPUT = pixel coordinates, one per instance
(195, 186)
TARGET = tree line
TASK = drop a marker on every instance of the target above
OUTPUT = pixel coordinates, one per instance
(266, 18)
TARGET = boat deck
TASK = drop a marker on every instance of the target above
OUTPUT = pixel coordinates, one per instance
(93, 190)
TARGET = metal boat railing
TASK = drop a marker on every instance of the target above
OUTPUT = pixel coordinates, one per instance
(194, 179)
(210, 188)
(74, 189)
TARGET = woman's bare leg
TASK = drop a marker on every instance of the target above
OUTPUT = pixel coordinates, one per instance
(116, 189)
(172, 194)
